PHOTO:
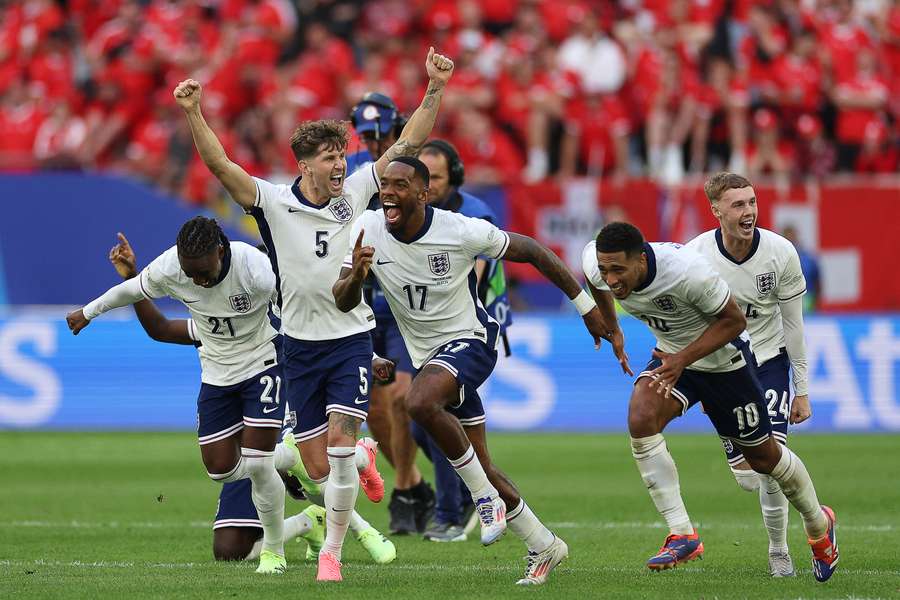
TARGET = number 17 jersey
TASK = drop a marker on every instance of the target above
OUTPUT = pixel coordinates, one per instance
(429, 281)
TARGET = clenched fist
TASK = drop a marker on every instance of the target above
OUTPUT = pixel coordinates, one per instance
(187, 94)
(438, 67)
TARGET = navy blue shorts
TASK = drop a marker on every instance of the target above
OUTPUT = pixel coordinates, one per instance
(235, 507)
(471, 362)
(388, 343)
(223, 411)
(327, 376)
(733, 401)
(774, 377)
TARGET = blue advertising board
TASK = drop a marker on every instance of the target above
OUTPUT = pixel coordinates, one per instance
(113, 377)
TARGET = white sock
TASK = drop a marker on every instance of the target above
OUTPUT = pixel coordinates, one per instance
(238, 472)
(747, 479)
(267, 491)
(791, 475)
(527, 526)
(340, 497)
(774, 507)
(357, 523)
(296, 526)
(658, 471)
(473, 475)
(318, 499)
(285, 458)
(361, 457)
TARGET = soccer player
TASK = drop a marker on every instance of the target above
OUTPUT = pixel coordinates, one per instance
(762, 269)
(702, 355)
(453, 506)
(424, 260)
(226, 286)
(237, 529)
(306, 227)
(378, 123)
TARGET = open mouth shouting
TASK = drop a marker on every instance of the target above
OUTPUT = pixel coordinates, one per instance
(392, 212)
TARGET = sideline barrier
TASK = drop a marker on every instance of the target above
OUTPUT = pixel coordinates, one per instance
(114, 377)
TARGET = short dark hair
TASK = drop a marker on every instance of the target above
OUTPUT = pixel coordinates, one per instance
(200, 236)
(418, 166)
(311, 135)
(620, 237)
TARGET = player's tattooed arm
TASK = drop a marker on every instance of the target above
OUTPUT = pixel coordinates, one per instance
(347, 290)
(157, 326)
(234, 178)
(524, 249)
(420, 124)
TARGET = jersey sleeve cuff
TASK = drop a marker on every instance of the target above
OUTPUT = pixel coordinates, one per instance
(721, 305)
(789, 298)
(505, 245)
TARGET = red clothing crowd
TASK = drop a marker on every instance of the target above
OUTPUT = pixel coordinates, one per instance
(658, 88)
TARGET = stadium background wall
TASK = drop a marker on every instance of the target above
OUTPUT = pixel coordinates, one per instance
(113, 377)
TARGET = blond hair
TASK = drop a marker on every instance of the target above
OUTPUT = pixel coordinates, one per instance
(721, 182)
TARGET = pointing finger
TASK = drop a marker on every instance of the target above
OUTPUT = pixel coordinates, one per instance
(359, 239)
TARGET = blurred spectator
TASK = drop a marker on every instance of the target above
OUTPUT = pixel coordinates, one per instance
(542, 87)
(59, 139)
(488, 153)
(809, 265)
(860, 100)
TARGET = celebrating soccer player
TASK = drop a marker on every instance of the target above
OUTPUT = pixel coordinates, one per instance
(327, 352)
(226, 286)
(424, 259)
(702, 355)
(762, 269)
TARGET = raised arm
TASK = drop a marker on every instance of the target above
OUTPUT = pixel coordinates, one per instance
(234, 178)
(420, 124)
(347, 290)
(157, 326)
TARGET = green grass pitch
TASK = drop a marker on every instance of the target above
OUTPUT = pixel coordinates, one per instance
(127, 515)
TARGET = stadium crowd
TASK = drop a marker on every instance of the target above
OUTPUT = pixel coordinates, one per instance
(660, 88)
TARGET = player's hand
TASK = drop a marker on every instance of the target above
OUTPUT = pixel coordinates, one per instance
(187, 94)
(438, 67)
(666, 375)
(123, 259)
(77, 321)
(382, 369)
(800, 409)
(362, 257)
(617, 340)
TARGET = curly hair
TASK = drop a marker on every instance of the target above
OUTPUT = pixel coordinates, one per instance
(200, 236)
(620, 237)
(310, 136)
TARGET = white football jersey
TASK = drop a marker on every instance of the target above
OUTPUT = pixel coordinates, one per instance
(429, 282)
(307, 244)
(230, 319)
(768, 275)
(679, 300)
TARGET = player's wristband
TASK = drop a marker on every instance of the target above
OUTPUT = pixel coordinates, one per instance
(583, 303)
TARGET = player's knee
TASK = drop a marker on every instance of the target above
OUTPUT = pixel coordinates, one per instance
(643, 418)
(231, 545)
(763, 458)
(221, 469)
(420, 406)
(748, 480)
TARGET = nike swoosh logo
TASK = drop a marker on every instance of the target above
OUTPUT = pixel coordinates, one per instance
(341, 509)
(274, 408)
(293, 210)
(383, 262)
(190, 301)
(358, 401)
(749, 433)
